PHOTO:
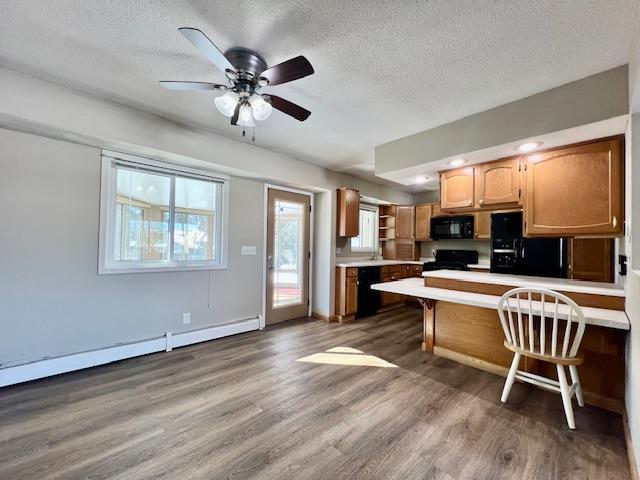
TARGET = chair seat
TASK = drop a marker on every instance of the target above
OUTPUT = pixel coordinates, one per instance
(546, 358)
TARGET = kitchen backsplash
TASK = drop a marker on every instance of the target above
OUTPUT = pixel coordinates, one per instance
(482, 246)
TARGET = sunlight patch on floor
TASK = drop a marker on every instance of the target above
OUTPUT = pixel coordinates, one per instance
(346, 356)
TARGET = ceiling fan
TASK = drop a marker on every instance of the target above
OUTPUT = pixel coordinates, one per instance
(247, 74)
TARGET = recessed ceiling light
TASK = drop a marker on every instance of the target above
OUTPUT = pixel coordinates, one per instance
(420, 179)
(457, 162)
(529, 146)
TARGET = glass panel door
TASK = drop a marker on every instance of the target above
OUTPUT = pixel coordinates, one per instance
(287, 256)
(288, 247)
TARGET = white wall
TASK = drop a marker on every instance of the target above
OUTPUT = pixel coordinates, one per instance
(52, 300)
(632, 282)
(632, 246)
(585, 101)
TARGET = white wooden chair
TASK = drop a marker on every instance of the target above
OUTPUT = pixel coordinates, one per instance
(528, 335)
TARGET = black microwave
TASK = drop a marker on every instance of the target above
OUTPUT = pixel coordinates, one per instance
(452, 228)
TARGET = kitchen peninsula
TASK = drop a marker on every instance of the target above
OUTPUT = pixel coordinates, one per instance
(463, 325)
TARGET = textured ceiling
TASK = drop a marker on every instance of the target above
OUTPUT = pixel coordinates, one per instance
(384, 69)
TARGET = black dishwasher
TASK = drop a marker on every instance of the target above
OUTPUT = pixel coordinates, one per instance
(368, 300)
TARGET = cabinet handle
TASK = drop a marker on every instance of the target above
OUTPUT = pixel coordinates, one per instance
(614, 222)
(470, 202)
(481, 201)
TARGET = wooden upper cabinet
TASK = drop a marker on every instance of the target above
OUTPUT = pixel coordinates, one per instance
(591, 259)
(405, 221)
(423, 221)
(576, 190)
(482, 225)
(348, 212)
(457, 189)
(498, 183)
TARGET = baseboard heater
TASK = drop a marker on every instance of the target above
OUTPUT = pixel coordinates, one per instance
(47, 367)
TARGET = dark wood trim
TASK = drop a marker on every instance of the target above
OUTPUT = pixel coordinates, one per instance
(583, 299)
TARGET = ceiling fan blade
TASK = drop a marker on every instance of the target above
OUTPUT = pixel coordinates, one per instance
(171, 85)
(236, 114)
(288, 71)
(206, 47)
(285, 106)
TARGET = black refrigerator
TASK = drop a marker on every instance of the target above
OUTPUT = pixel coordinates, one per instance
(513, 253)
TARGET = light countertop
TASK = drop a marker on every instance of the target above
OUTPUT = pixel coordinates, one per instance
(484, 266)
(562, 284)
(377, 263)
(414, 287)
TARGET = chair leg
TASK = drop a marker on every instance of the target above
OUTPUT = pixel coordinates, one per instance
(511, 377)
(566, 398)
(573, 370)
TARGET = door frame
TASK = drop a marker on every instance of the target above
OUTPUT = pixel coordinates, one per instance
(267, 186)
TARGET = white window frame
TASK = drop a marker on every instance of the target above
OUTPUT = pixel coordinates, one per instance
(106, 264)
(374, 209)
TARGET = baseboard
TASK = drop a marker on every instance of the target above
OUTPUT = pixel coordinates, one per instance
(326, 318)
(633, 465)
(77, 361)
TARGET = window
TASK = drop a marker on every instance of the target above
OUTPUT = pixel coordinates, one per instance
(367, 241)
(156, 216)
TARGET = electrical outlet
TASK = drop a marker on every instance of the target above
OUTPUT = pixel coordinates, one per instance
(248, 250)
(338, 251)
(186, 318)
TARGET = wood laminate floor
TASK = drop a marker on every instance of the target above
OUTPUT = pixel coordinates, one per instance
(245, 407)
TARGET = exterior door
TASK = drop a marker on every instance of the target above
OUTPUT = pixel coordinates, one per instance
(288, 221)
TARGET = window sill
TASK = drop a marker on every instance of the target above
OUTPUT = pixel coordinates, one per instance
(158, 269)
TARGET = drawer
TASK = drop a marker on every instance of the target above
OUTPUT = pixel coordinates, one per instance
(352, 272)
(391, 269)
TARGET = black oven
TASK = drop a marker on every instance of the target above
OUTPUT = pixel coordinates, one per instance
(452, 228)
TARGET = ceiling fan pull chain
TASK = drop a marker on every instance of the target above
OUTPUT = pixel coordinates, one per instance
(253, 135)
(244, 134)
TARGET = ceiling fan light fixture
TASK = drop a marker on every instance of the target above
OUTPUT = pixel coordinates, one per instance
(226, 104)
(245, 117)
(261, 108)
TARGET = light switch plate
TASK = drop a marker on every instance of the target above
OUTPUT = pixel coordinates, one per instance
(338, 251)
(248, 250)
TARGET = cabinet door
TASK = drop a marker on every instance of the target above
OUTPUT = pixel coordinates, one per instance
(576, 190)
(591, 259)
(405, 250)
(352, 295)
(436, 212)
(423, 222)
(405, 219)
(416, 270)
(482, 225)
(387, 298)
(348, 212)
(457, 189)
(498, 183)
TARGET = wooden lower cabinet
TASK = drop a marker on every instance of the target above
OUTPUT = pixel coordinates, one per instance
(390, 273)
(346, 290)
(473, 336)
(346, 293)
